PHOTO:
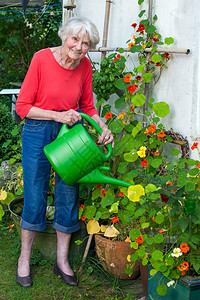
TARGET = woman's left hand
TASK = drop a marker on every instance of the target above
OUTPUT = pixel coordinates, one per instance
(106, 137)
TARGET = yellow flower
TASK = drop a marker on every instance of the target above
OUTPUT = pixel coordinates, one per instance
(129, 258)
(143, 46)
(3, 194)
(121, 116)
(142, 151)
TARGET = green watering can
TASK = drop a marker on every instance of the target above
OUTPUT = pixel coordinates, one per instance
(77, 159)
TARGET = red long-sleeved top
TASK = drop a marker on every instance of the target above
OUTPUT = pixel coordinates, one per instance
(49, 86)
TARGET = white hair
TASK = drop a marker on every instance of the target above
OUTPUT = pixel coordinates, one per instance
(76, 24)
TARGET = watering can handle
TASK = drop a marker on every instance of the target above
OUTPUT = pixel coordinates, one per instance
(99, 130)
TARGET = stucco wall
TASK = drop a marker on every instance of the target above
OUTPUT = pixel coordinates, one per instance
(179, 84)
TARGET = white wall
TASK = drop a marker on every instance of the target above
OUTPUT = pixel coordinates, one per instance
(179, 85)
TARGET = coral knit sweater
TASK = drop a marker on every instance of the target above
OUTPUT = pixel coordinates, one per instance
(49, 86)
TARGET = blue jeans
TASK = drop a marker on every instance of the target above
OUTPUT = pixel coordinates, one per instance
(36, 174)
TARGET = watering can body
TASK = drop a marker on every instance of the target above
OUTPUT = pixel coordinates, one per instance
(77, 159)
(74, 154)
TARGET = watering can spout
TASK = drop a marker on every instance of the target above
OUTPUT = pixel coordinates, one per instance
(97, 177)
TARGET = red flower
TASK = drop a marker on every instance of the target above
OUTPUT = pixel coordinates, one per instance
(103, 193)
(161, 231)
(108, 115)
(141, 28)
(199, 165)
(115, 58)
(82, 206)
(138, 77)
(115, 220)
(11, 226)
(146, 132)
(121, 194)
(184, 248)
(134, 25)
(158, 64)
(156, 39)
(127, 78)
(132, 108)
(131, 88)
(99, 186)
(152, 62)
(144, 162)
(140, 240)
(166, 55)
(164, 198)
(161, 134)
(195, 145)
(83, 218)
(118, 55)
(169, 183)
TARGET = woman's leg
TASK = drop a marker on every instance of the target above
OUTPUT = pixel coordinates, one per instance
(27, 239)
(63, 242)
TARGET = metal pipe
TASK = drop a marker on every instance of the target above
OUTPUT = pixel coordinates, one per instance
(159, 50)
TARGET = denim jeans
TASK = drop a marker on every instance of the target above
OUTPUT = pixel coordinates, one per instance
(36, 174)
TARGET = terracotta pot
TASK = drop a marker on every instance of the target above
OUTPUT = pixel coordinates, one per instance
(113, 256)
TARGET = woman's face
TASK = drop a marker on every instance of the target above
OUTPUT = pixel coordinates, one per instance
(76, 46)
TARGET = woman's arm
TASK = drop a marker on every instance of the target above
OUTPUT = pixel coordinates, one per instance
(68, 117)
(106, 137)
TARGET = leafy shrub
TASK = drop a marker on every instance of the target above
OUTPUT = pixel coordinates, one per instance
(10, 136)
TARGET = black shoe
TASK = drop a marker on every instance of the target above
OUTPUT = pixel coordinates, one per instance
(69, 280)
(25, 281)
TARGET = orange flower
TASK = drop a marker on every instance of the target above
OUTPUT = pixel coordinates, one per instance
(121, 194)
(144, 162)
(108, 115)
(131, 45)
(11, 226)
(180, 269)
(83, 218)
(146, 132)
(127, 78)
(128, 240)
(184, 248)
(157, 153)
(161, 134)
(199, 165)
(195, 145)
(115, 220)
(140, 240)
(152, 128)
(185, 266)
(131, 88)
(162, 230)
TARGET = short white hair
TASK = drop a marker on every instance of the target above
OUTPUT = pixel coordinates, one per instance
(76, 24)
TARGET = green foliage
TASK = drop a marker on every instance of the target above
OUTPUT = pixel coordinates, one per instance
(10, 136)
(21, 37)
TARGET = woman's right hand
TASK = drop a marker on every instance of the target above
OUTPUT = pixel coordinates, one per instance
(69, 117)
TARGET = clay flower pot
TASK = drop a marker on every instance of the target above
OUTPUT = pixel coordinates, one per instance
(113, 256)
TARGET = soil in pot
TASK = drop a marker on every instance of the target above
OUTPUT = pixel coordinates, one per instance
(113, 257)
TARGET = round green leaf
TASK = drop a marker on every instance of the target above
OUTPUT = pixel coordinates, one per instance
(150, 29)
(174, 152)
(159, 218)
(161, 289)
(116, 126)
(131, 156)
(147, 77)
(138, 99)
(190, 186)
(158, 238)
(169, 41)
(155, 163)
(194, 172)
(120, 84)
(136, 48)
(153, 272)
(161, 109)
(157, 255)
(156, 58)
(140, 68)
(89, 212)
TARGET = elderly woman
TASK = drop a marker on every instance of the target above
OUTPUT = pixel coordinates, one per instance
(57, 86)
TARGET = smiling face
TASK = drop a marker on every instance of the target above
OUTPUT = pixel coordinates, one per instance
(76, 46)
